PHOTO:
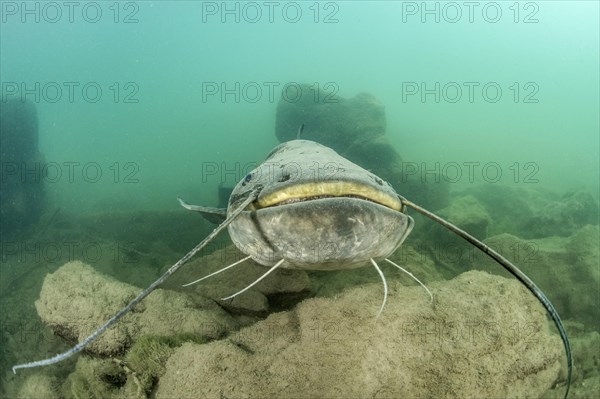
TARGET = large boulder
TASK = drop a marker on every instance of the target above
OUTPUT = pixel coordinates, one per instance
(483, 336)
(562, 217)
(530, 212)
(75, 300)
(355, 128)
(565, 268)
(330, 119)
(39, 386)
(449, 250)
(22, 182)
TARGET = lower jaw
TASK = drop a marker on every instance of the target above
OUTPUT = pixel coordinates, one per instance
(324, 234)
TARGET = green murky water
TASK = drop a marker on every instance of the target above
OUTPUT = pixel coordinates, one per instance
(140, 102)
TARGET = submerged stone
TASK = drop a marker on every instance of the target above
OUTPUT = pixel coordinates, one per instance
(355, 128)
(565, 268)
(484, 336)
(76, 300)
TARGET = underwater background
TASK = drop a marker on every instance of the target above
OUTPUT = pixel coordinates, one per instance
(138, 103)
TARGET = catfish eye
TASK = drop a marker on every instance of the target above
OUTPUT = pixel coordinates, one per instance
(251, 177)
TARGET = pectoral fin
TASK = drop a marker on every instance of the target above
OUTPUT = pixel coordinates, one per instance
(213, 215)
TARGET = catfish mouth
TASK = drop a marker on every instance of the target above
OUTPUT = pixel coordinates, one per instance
(333, 189)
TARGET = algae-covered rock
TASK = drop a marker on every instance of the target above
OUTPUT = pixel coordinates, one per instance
(565, 268)
(468, 213)
(484, 336)
(148, 357)
(508, 205)
(530, 212)
(586, 364)
(39, 386)
(131, 377)
(583, 248)
(564, 216)
(450, 251)
(102, 379)
(75, 300)
(586, 354)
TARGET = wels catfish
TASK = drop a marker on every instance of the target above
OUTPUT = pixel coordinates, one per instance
(307, 207)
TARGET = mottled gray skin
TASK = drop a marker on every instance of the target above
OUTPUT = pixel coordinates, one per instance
(315, 234)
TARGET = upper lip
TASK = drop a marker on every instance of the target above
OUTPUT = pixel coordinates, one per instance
(328, 189)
